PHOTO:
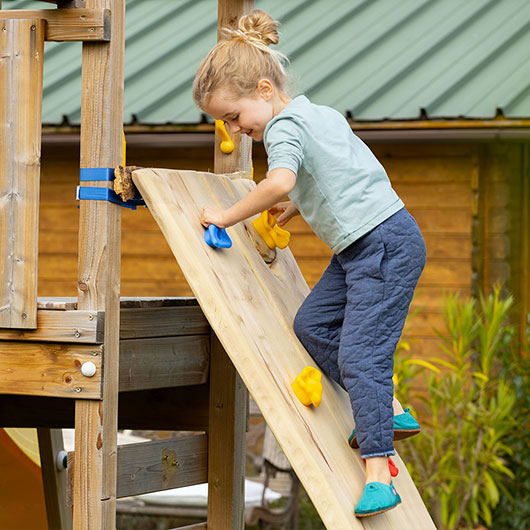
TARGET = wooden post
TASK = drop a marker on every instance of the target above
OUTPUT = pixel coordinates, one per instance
(99, 273)
(55, 484)
(228, 395)
(22, 54)
(229, 12)
(226, 442)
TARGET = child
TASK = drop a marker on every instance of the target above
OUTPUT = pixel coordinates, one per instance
(352, 320)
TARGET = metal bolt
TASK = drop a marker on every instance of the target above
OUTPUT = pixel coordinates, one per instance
(92, 29)
(90, 317)
(24, 316)
(77, 334)
(33, 28)
(78, 389)
(175, 463)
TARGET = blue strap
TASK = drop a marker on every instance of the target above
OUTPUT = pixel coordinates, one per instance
(85, 193)
(96, 173)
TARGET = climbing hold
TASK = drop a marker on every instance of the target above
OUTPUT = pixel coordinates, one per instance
(217, 237)
(308, 387)
(272, 234)
(227, 146)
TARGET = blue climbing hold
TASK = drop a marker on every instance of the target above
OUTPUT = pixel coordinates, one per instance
(217, 237)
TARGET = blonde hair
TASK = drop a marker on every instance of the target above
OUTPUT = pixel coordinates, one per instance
(241, 59)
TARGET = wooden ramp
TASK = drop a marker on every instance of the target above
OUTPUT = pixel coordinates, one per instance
(250, 298)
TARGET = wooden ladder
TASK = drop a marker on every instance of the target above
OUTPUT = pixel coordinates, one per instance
(156, 364)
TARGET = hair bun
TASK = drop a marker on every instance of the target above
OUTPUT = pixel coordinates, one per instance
(260, 26)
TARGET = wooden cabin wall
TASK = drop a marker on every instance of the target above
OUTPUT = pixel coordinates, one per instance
(439, 184)
(501, 246)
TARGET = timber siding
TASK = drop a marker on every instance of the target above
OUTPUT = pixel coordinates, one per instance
(467, 198)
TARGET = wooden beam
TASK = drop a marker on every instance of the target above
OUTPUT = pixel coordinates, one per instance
(162, 464)
(162, 322)
(47, 369)
(163, 362)
(81, 327)
(159, 465)
(240, 159)
(54, 480)
(89, 25)
(226, 446)
(179, 409)
(87, 327)
(99, 271)
(21, 71)
(228, 395)
(66, 3)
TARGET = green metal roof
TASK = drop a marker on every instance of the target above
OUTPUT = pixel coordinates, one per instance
(370, 59)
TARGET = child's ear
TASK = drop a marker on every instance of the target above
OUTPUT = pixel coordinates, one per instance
(265, 89)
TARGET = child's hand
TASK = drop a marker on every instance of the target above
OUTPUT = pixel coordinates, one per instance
(286, 210)
(213, 215)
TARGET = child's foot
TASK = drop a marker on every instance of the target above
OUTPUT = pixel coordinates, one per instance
(404, 426)
(377, 498)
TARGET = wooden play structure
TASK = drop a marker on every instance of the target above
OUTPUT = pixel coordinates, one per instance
(99, 363)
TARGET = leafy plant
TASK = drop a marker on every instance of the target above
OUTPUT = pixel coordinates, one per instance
(459, 460)
(513, 510)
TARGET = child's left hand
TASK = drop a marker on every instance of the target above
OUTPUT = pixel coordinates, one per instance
(213, 215)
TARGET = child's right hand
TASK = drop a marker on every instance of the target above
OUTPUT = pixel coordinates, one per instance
(284, 211)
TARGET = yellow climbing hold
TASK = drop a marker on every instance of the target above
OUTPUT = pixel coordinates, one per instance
(308, 387)
(227, 146)
(272, 234)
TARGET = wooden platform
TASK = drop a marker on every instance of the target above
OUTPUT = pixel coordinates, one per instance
(250, 296)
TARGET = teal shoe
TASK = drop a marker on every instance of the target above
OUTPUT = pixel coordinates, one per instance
(377, 498)
(404, 427)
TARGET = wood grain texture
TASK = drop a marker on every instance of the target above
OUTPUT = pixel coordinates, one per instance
(250, 306)
(21, 74)
(164, 362)
(99, 271)
(81, 327)
(47, 369)
(55, 482)
(68, 24)
(158, 465)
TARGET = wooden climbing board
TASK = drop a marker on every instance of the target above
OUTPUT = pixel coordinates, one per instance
(250, 296)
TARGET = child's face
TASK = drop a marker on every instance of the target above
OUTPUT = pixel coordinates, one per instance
(247, 115)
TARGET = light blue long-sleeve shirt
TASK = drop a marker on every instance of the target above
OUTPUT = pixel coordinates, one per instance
(341, 189)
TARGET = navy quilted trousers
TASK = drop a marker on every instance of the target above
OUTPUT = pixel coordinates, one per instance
(352, 320)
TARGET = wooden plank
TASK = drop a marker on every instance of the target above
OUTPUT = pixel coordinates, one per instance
(99, 271)
(159, 465)
(226, 444)
(21, 70)
(162, 322)
(82, 327)
(90, 25)
(180, 409)
(69, 3)
(47, 369)
(198, 526)
(251, 305)
(162, 464)
(163, 362)
(58, 513)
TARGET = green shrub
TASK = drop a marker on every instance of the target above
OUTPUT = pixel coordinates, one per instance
(513, 510)
(459, 460)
